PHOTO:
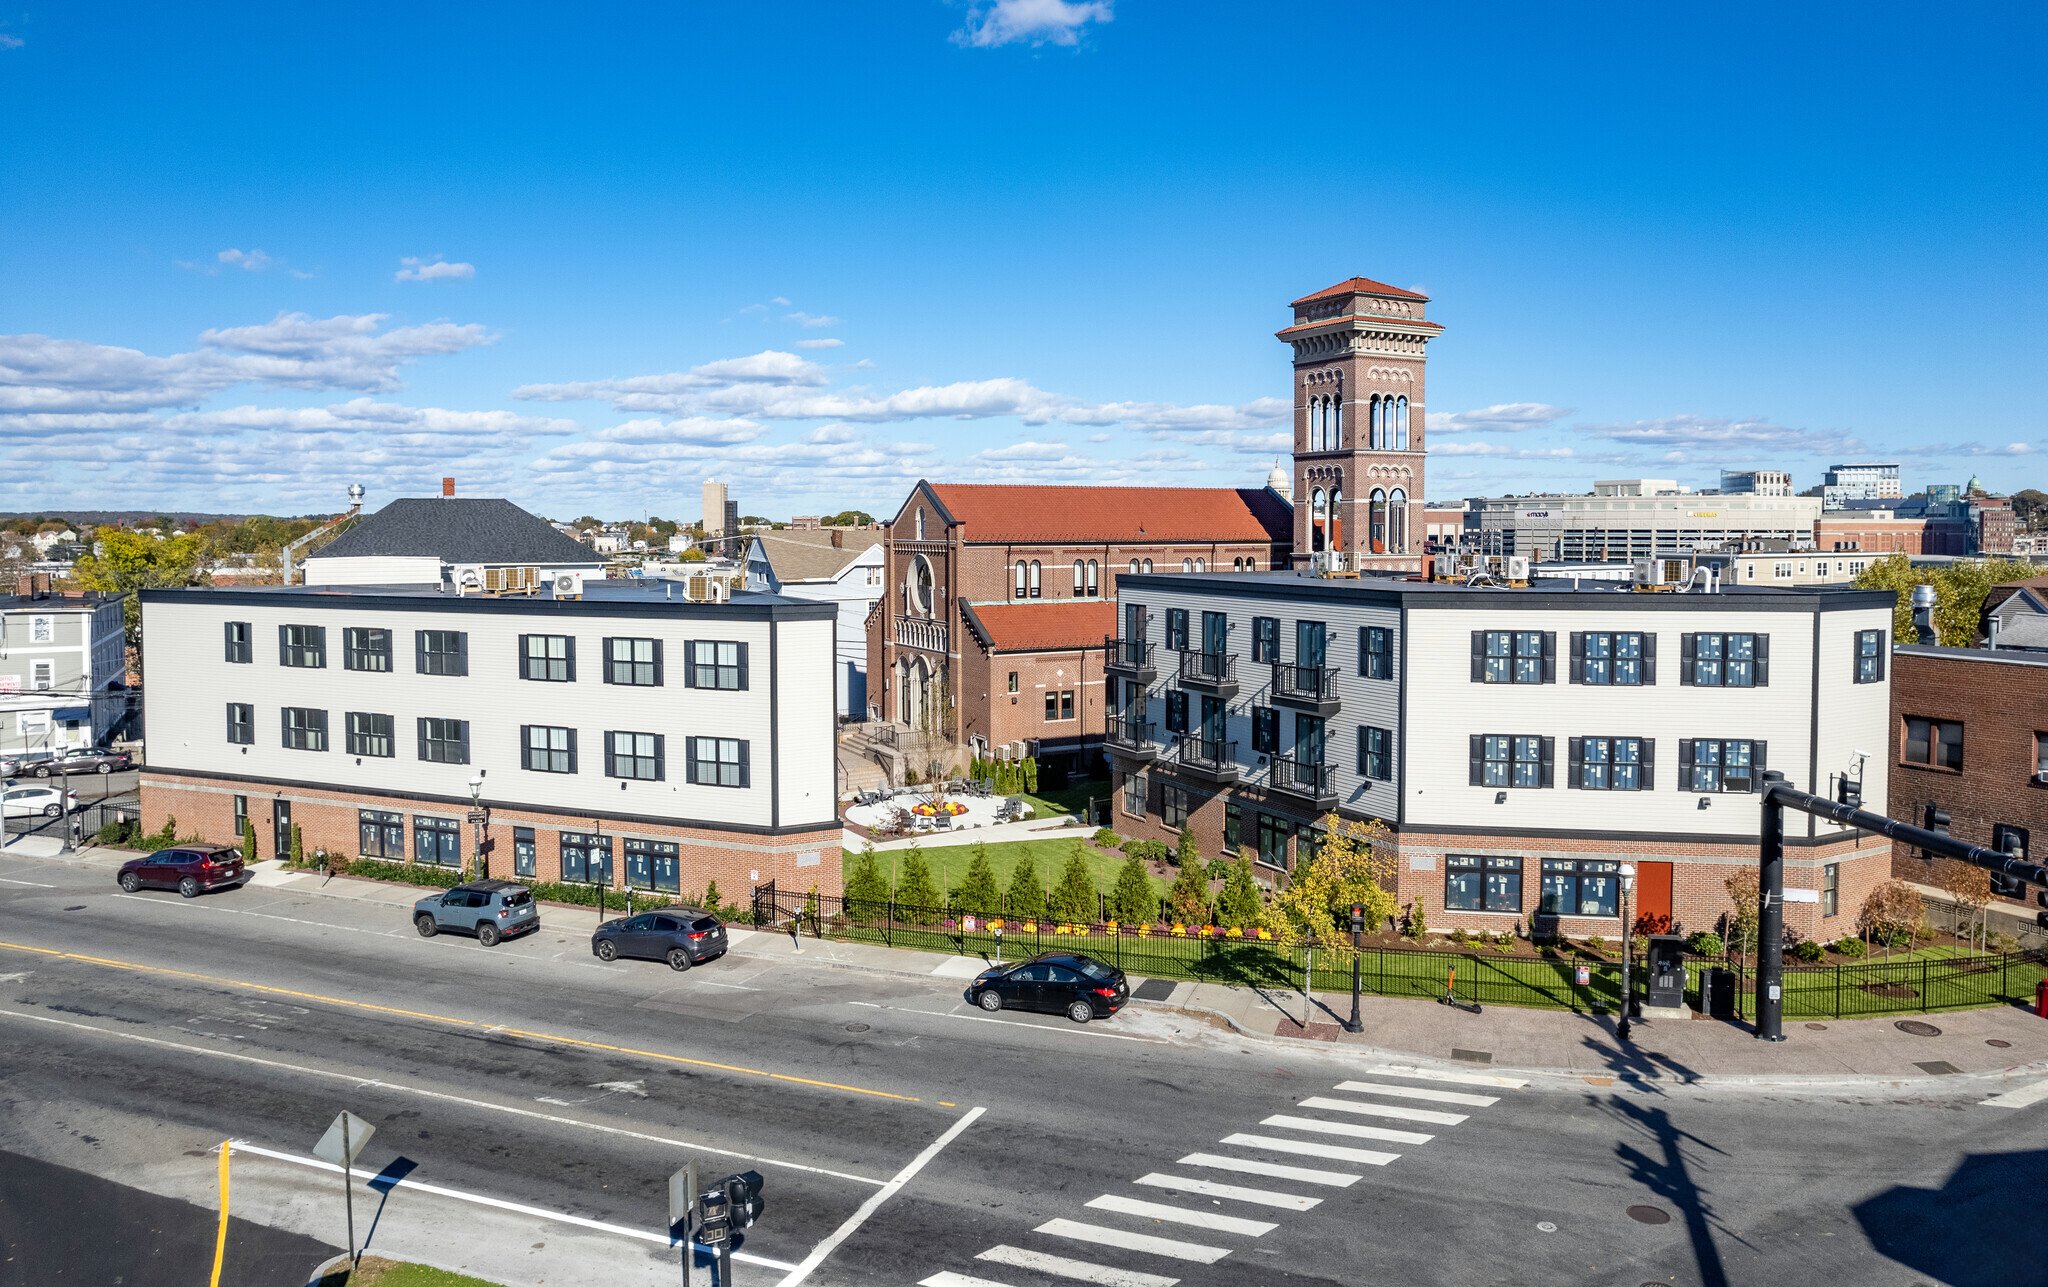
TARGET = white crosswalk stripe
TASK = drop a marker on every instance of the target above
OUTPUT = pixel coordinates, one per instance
(1171, 1248)
(1418, 1092)
(2024, 1097)
(1399, 1112)
(1312, 1148)
(1235, 1192)
(1079, 1270)
(1181, 1215)
(1450, 1078)
(1345, 1128)
(1247, 1166)
(947, 1278)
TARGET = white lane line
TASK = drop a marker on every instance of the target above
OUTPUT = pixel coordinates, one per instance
(401, 1088)
(810, 1263)
(1309, 1148)
(518, 1208)
(2024, 1097)
(1071, 1030)
(1345, 1128)
(1079, 1270)
(1452, 1078)
(947, 1278)
(1306, 1174)
(1172, 1248)
(1418, 1092)
(1235, 1192)
(1396, 1111)
(1182, 1215)
(32, 884)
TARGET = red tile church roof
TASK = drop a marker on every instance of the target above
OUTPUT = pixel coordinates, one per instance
(1042, 626)
(1359, 285)
(1117, 515)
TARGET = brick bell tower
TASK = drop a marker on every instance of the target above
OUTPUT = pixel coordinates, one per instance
(1358, 437)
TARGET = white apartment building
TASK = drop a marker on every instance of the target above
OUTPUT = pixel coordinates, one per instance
(1626, 520)
(628, 736)
(1520, 744)
(838, 565)
(63, 672)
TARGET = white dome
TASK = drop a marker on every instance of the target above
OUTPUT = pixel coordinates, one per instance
(1278, 481)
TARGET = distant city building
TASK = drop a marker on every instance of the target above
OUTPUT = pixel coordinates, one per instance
(1443, 528)
(1870, 481)
(1786, 568)
(1870, 531)
(1755, 482)
(1629, 519)
(461, 541)
(715, 509)
(1640, 487)
(63, 669)
(806, 522)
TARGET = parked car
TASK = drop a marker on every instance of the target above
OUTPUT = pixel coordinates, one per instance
(190, 869)
(490, 909)
(29, 802)
(682, 936)
(83, 759)
(1069, 983)
(21, 764)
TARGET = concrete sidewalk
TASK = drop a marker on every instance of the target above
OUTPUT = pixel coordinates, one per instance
(2006, 1044)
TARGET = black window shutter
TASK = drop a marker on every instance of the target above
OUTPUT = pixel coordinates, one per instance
(1364, 651)
(1763, 660)
(423, 736)
(525, 746)
(743, 666)
(1649, 658)
(284, 647)
(1685, 764)
(1578, 657)
(419, 651)
(605, 674)
(1549, 745)
(1757, 763)
(1549, 657)
(746, 778)
(1361, 748)
(1649, 764)
(1883, 651)
(1575, 750)
(462, 652)
(690, 758)
(1477, 747)
(1685, 659)
(1478, 655)
(689, 663)
(659, 675)
(525, 671)
(661, 757)
(572, 750)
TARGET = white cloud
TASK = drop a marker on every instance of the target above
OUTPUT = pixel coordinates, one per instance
(1745, 433)
(1965, 449)
(415, 269)
(1498, 451)
(252, 261)
(780, 301)
(679, 391)
(1501, 417)
(820, 344)
(811, 320)
(1037, 22)
(9, 42)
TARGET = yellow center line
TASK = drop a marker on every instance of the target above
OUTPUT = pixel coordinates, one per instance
(347, 1003)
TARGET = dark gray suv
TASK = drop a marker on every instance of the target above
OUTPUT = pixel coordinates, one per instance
(489, 909)
(682, 936)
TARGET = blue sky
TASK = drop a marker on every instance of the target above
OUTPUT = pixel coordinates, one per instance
(586, 256)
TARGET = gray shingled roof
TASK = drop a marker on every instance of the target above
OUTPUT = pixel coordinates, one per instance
(457, 530)
(810, 556)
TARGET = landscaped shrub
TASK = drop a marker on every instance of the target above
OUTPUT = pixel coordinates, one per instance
(1706, 943)
(867, 889)
(1849, 945)
(1240, 905)
(1218, 868)
(978, 893)
(917, 897)
(1134, 901)
(1149, 850)
(1184, 845)
(404, 874)
(299, 846)
(1074, 901)
(1418, 919)
(1807, 950)
(1026, 899)
(1188, 898)
(1104, 838)
(1459, 936)
(248, 843)
(118, 833)
(1030, 773)
(1596, 942)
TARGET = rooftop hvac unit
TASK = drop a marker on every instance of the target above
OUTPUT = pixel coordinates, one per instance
(567, 585)
(706, 589)
(1517, 567)
(511, 580)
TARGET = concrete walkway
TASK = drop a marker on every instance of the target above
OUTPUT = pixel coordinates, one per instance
(2002, 1044)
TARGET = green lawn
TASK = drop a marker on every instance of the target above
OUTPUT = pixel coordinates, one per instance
(1072, 798)
(949, 862)
(375, 1271)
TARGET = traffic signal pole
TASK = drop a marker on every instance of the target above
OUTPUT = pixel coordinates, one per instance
(1780, 796)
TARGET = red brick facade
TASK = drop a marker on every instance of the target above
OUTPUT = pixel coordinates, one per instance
(1864, 535)
(328, 819)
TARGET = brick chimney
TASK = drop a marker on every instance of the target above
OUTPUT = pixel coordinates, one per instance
(447, 487)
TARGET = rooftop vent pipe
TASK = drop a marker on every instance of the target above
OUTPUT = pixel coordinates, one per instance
(1923, 614)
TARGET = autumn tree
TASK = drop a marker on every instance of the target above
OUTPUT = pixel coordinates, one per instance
(127, 562)
(1959, 591)
(1893, 909)
(1743, 889)
(1970, 888)
(1355, 864)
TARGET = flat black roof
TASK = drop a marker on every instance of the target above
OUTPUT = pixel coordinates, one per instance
(1304, 585)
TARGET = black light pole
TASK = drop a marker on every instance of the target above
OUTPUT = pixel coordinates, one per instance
(1357, 1024)
(1770, 925)
(480, 817)
(1628, 943)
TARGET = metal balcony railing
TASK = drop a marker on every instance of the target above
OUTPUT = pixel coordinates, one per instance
(1213, 668)
(1301, 777)
(1304, 683)
(1127, 654)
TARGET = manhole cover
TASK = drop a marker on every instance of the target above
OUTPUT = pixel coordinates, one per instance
(856, 1027)
(1915, 1028)
(1649, 1215)
(1938, 1068)
(1818, 1027)
(1472, 1056)
(1995, 1042)
(1544, 1226)
(77, 907)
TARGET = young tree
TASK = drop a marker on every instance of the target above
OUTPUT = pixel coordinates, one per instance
(298, 846)
(1353, 865)
(1135, 900)
(978, 892)
(1188, 897)
(1970, 887)
(125, 562)
(1959, 591)
(917, 896)
(867, 889)
(1743, 894)
(248, 843)
(1026, 900)
(1893, 908)
(1073, 900)
(1240, 905)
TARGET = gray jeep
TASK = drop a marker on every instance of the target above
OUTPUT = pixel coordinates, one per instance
(489, 909)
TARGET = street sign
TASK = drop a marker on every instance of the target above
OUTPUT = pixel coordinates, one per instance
(1802, 895)
(346, 1125)
(682, 1200)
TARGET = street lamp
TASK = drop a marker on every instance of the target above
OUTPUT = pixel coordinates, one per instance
(479, 816)
(1628, 886)
(1356, 1025)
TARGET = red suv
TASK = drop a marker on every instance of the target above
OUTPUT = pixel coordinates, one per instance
(189, 869)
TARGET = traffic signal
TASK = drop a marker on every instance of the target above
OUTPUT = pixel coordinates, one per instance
(1937, 822)
(743, 1200)
(1848, 792)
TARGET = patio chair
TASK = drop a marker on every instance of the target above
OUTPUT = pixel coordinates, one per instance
(944, 822)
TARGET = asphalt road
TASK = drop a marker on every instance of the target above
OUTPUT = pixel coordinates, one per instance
(530, 1103)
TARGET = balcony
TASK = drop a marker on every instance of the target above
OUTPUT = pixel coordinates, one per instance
(921, 632)
(1129, 657)
(1207, 757)
(1310, 783)
(1131, 739)
(1308, 688)
(1209, 672)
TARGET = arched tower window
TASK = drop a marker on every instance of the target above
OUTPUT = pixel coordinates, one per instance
(1401, 423)
(920, 525)
(1377, 521)
(1094, 579)
(1022, 585)
(1318, 515)
(917, 588)
(1201, 565)
(1397, 522)
(1337, 421)
(1148, 565)
(1034, 579)
(1080, 579)
(1337, 518)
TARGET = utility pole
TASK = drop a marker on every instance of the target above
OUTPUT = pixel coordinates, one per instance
(1628, 943)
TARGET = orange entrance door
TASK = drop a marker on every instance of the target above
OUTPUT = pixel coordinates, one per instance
(1653, 889)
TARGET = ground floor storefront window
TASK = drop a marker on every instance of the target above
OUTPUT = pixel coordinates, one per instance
(1581, 887)
(651, 864)
(586, 858)
(1482, 883)
(437, 842)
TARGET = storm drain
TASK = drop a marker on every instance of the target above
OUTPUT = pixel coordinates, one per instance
(1915, 1028)
(1818, 1027)
(1153, 990)
(1649, 1215)
(1938, 1068)
(1472, 1056)
(1997, 1044)
(856, 1027)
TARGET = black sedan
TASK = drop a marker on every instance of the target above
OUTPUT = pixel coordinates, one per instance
(682, 936)
(1079, 987)
(82, 759)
